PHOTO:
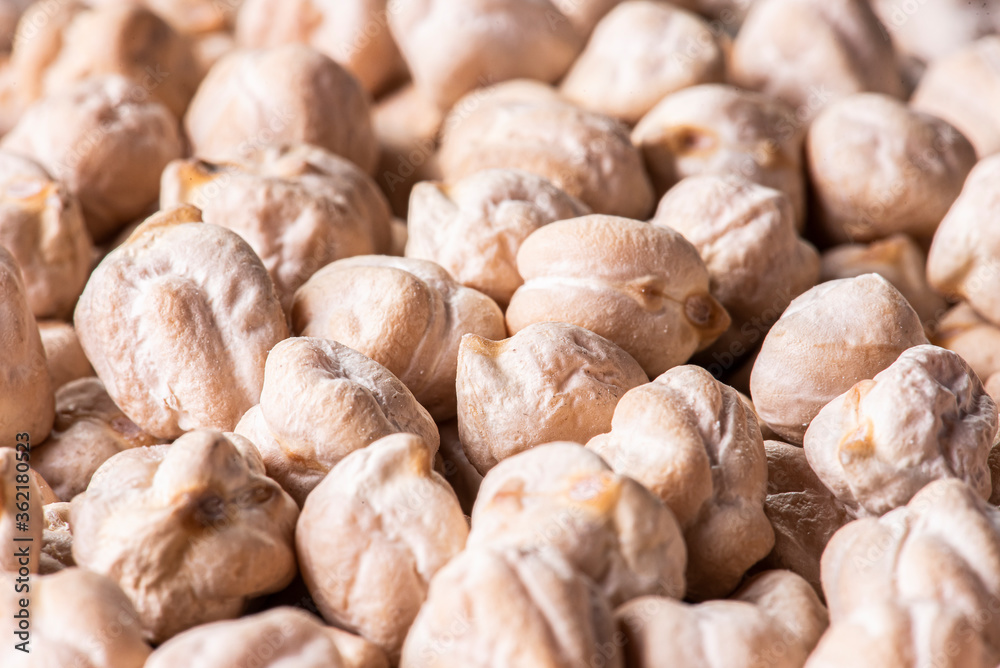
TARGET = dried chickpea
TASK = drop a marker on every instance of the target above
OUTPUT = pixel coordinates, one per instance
(195, 305)
(564, 498)
(717, 129)
(828, 339)
(641, 286)
(10, 13)
(529, 608)
(932, 564)
(585, 14)
(745, 234)
(190, 531)
(639, 53)
(57, 539)
(27, 404)
(977, 340)
(964, 89)
(73, 41)
(695, 444)
(65, 356)
(79, 619)
(355, 33)
(279, 637)
(475, 226)
(802, 511)
(322, 401)
(877, 167)
(775, 619)
(899, 260)
(106, 145)
(808, 53)
(925, 417)
(282, 95)
(298, 206)
(89, 429)
(518, 126)
(549, 382)
(42, 226)
(406, 524)
(963, 259)
(408, 315)
(450, 55)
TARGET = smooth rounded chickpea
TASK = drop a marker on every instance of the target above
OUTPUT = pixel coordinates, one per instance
(283, 95)
(177, 322)
(373, 534)
(967, 333)
(549, 382)
(828, 339)
(42, 226)
(408, 315)
(723, 130)
(641, 286)
(695, 444)
(566, 499)
(877, 167)
(197, 531)
(298, 206)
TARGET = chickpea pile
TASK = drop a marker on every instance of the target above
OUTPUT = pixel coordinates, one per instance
(499, 333)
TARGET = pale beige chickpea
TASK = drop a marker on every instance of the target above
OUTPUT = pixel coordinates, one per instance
(967, 333)
(68, 42)
(406, 124)
(551, 381)
(190, 17)
(932, 564)
(475, 226)
(77, 618)
(27, 403)
(10, 13)
(877, 167)
(639, 53)
(584, 15)
(278, 637)
(20, 513)
(57, 538)
(106, 144)
(198, 530)
(42, 226)
(696, 445)
(828, 339)
(177, 322)
(89, 429)
(65, 356)
(963, 260)
(642, 286)
(320, 402)
(923, 418)
(563, 498)
(745, 234)
(527, 126)
(449, 55)
(373, 534)
(299, 207)
(899, 260)
(282, 95)
(530, 608)
(408, 315)
(775, 620)
(808, 53)
(802, 511)
(355, 33)
(723, 130)
(964, 89)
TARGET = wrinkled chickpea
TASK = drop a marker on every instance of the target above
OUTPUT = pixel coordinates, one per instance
(564, 498)
(549, 382)
(695, 444)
